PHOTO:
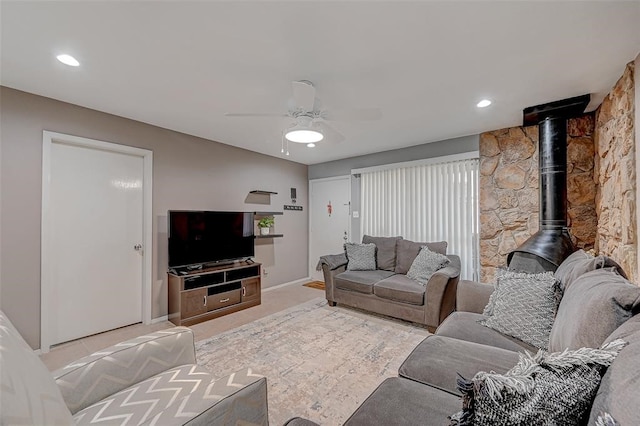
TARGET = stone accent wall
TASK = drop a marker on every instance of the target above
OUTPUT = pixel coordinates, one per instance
(509, 198)
(615, 175)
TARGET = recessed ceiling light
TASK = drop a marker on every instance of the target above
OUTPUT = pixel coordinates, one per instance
(68, 60)
(311, 145)
(483, 103)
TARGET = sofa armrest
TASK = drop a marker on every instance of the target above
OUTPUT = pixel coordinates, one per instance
(329, 279)
(473, 296)
(440, 295)
(94, 377)
(238, 399)
(333, 261)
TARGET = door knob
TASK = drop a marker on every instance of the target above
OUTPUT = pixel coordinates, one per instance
(137, 247)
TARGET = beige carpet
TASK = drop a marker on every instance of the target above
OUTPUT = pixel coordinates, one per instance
(320, 362)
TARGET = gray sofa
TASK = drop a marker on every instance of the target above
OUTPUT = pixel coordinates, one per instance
(387, 290)
(152, 379)
(598, 306)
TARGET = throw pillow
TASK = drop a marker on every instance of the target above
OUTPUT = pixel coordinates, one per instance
(545, 389)
(579, 263)
(592, 308)
(525, 306)
(501, 272)
(361, 257)
(425, 264)
(385, 251)
(408, 250)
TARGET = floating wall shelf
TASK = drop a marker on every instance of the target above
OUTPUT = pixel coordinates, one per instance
(258, 191)
(262, 214)
(270, 236)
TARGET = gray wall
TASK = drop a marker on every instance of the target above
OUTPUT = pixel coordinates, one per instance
(188, 173)
(419, 152)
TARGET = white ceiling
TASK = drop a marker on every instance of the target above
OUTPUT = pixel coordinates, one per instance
(183, 65)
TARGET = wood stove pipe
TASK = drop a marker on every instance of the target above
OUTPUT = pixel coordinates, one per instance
(552, 242)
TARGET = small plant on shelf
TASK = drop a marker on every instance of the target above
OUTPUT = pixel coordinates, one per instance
(265, 223)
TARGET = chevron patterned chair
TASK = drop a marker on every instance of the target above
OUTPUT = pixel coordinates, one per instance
(152, 379)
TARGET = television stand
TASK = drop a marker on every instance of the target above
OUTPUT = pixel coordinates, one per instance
(211, 292)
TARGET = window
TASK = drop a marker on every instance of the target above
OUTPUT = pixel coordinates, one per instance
(431, 200)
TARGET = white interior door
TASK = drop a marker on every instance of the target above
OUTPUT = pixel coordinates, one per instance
(94, 241)
(329, 219)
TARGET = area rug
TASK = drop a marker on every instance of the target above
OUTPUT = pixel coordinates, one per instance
(315, 284)
(321, 362)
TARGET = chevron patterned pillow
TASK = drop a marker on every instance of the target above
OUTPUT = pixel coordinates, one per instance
(361, 257)
(525, 306)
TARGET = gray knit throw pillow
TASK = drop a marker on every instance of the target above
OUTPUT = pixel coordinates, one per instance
(501, 272)
(525, 307)
(361, 257)
(425, 264)
(545, 389)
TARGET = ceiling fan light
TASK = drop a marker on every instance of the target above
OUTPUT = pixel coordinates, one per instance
(302, 135)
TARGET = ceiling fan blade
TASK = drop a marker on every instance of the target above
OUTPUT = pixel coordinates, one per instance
(360, 114)
(304, 94)
(331, 135)
(255, 114)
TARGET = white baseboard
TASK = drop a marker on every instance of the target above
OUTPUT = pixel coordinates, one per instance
(160, 319)
(300, 281)
(37, 352)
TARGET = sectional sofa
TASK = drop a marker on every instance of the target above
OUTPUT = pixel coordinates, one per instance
(387, 290)
(598, 306)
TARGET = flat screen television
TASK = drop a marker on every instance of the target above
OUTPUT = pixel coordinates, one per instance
(203, 237)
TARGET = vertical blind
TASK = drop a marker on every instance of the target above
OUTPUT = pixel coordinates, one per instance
(427, 202)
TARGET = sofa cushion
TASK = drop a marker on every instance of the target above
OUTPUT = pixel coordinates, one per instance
(385, 251)
(361, 257)
(408, 250)
(401, 289)
(28, 392)
(525, 306)
(580, 262)
(425, 264)
(437, 360)
(464, 326)
(542, 389)
(360, 281)
(593, 306)
(401, 402)
(619, 391)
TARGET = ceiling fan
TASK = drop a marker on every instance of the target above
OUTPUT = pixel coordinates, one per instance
(309, 121)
